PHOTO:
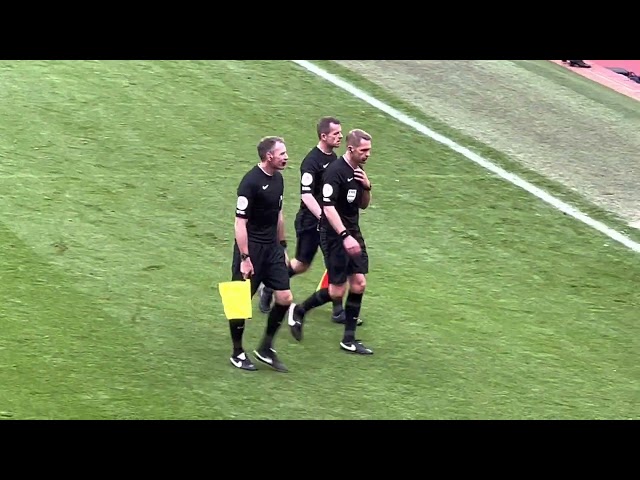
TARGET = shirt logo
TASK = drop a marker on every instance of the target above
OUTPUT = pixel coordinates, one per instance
(264, 187)
(307, 179)
(242, 203)
(351, 195)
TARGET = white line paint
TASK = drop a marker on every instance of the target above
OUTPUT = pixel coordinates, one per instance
(510, 177)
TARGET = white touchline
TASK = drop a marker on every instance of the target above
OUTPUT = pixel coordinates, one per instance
(511, 177)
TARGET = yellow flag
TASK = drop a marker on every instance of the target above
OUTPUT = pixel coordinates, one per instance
(236, 299)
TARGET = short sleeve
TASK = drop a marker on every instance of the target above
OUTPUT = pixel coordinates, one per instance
(282, 194)
(308, 171)
(330, 188)
(244, 201)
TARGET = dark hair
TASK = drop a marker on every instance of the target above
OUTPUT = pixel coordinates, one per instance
(324, 125)
(267, 145)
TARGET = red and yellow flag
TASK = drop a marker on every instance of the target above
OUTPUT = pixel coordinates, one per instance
(324, 281)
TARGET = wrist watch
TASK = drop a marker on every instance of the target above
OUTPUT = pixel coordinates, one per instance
(244, 256)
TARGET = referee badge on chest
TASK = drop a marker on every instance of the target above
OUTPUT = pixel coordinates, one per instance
(351, 195)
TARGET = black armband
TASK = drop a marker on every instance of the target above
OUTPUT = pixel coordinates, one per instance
(283, 243)
(344, 234)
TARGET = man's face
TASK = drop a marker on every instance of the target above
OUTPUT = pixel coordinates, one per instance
(278, 157)
(361, 153)
(332, 139)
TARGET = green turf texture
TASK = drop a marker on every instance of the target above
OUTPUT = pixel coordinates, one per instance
(118, 183)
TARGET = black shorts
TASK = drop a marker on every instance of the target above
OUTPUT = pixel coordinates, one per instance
(340, 265)
(269, 266)
(307, 237)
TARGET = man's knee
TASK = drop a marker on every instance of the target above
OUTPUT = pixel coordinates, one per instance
(358, 283)
(283, 297)
(337, 291)
(298, 266)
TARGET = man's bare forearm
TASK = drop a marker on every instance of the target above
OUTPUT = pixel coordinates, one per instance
(281, 231)
(312, 204)
(241, 235)
(334, 219)
(365, 199)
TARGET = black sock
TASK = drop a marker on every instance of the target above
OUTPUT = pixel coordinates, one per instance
(292, 272)
(317, 299)
(352, 312)
(274, 320)
(237, 329)
(337, 306)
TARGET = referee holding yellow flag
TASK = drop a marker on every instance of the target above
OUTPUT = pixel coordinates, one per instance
(259, 249)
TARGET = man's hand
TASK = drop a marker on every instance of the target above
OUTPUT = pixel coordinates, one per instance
(246, 268)
(352, 246)
(361, 176)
